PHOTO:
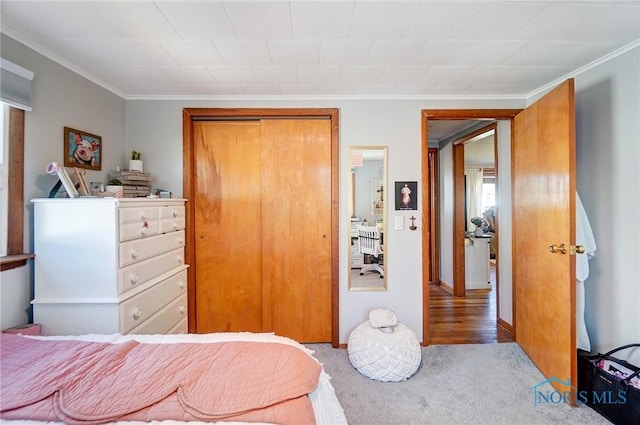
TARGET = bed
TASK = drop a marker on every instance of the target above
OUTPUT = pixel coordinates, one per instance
(255, 378)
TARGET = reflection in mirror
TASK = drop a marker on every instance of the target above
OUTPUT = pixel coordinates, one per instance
(367, 208)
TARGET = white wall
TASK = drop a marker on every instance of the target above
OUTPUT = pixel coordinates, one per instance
(15, 296)
(445, 167)
(503, 218)
(608, 181)
(60, 98)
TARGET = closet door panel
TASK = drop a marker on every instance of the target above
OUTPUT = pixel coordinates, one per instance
(228, 247)
(296, 227)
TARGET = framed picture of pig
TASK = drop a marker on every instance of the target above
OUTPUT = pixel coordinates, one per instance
(82, 149)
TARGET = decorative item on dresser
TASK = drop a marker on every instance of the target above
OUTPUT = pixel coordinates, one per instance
(135, 163)
(134, 183)
(110, 265)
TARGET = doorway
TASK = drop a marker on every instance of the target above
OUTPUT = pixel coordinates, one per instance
(450, 309)
(541, 160)
(465, 310)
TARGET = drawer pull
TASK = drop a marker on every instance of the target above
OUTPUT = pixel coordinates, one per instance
(134, 253)
(181, 309)
(181, 284)
(180, 259)
(137, 313)
(175, 225)
(175, 213)
(143, 215)
(134, 278)
(180, 242)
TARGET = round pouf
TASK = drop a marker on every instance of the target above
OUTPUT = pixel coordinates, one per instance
(386, 357)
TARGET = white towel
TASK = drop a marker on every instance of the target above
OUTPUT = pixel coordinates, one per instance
(584, 237)
(381, 318)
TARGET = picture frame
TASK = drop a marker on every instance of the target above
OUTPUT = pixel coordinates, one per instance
(406, 195)
(82, 149)
(69, 187)
(65, 180)
(82, 182)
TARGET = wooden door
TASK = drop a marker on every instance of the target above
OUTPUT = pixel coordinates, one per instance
(296, 228)
(543, 173)
(263, 227)
(228, 250)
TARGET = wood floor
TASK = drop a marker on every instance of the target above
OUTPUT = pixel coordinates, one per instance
(465, 320)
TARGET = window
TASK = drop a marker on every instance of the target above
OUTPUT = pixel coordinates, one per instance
(4, 179)
(15, 94)
(13, 167)
(488, 196)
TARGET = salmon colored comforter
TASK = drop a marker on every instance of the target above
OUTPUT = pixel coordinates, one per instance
(81, 382)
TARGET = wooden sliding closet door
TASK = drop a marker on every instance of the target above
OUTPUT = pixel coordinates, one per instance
(263, 227)
(228, 250)
(296, 228)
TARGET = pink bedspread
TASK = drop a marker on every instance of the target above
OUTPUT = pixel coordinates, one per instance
(81, 382)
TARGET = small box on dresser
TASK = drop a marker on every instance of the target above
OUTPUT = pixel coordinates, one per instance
(107, 265)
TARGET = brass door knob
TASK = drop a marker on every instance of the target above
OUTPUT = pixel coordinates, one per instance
(558, 248)
(577, 249)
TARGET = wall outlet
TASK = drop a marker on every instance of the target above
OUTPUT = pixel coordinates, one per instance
(399, 223)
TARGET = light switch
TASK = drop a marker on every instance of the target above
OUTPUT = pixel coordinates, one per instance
(399, 223)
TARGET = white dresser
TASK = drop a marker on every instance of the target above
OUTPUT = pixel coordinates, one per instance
(357, 257)
(109, 265)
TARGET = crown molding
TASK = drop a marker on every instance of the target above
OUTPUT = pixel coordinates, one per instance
(606, 58)
(249, 98)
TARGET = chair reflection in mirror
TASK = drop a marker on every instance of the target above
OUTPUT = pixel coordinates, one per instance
(370, 242)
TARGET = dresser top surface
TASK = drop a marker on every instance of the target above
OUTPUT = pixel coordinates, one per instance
(119, 201)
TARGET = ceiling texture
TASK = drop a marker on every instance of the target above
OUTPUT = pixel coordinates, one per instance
(430, 49)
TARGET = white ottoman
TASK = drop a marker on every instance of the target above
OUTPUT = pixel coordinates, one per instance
(386, 357)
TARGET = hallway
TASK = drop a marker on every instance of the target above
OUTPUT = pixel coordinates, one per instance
(468, 320)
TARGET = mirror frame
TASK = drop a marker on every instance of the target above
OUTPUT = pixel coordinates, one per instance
(352, 198)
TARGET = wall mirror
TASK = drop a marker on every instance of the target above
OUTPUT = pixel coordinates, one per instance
(368, 212)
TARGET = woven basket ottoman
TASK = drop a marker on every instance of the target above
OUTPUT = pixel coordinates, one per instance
(386, 357)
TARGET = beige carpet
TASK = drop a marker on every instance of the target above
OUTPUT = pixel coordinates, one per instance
(456, 384)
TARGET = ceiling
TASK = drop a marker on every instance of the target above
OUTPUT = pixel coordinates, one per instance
(382, 49)
(480, 153)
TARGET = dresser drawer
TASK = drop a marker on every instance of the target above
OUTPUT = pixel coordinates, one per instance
(141, 249)
(139, 230)
(141, 307)
(135, 275)
(172, 224)
(138, 214)
(166, 319)
(357, 261)
(172, 212)
(180, 328)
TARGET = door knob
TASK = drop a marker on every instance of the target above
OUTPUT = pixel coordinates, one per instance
(558, 248)
(577, 249)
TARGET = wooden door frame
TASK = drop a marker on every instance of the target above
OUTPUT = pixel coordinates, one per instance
(428, 214)
(189, 115)
(434, 202)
